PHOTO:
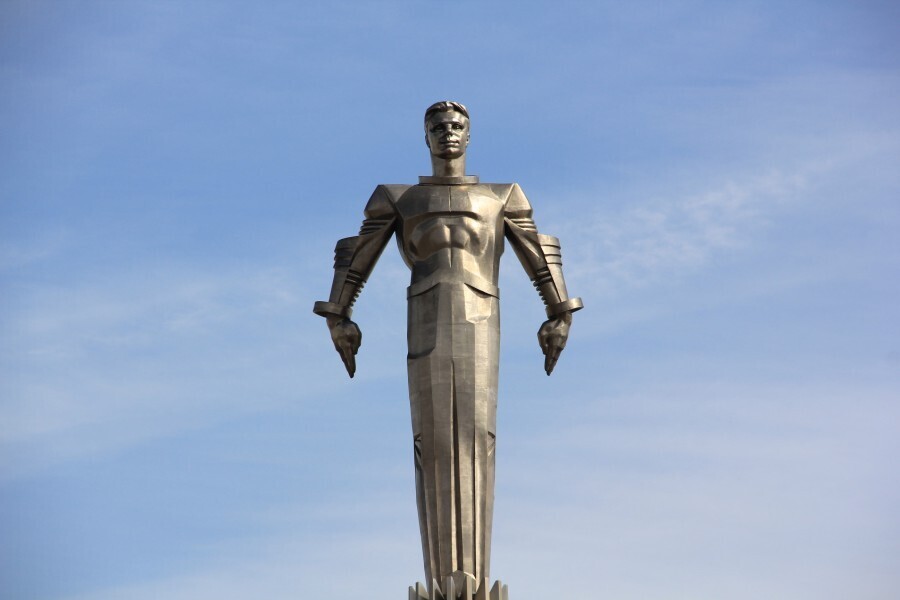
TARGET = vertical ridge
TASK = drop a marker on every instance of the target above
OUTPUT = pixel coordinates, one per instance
(457, 475)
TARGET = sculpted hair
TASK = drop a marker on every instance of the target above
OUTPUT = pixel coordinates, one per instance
(445, 106)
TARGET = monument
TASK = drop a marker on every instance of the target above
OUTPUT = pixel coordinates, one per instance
(450, 229)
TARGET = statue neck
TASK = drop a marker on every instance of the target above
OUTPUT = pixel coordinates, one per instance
(448, 167)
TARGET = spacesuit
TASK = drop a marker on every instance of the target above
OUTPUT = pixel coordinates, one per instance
(450, 231)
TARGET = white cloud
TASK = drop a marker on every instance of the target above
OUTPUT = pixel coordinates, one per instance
(662, 237)
(342, 549)
(741, 490)
(14, 255)
(97, 363)
(683, 491)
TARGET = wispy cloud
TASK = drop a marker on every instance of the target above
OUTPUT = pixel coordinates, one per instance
(113, 360)
(732, 491)
(664, 236)
(341, 549)
(17, 254)
(739, 476)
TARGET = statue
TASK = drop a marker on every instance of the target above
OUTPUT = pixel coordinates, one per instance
(450, 230)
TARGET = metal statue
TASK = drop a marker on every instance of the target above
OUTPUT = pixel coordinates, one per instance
(450, 229)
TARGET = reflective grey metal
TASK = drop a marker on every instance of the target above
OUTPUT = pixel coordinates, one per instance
(467, 590)
(450, 229)
(419, 592)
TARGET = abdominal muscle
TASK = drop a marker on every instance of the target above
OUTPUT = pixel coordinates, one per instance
(445, 232)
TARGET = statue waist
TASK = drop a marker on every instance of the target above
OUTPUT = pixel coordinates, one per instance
(455, 276)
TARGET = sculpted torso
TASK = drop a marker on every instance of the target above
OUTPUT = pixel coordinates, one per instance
(451, 232)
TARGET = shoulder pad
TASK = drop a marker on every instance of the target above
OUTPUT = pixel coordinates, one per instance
(380, 205)
(517, 205)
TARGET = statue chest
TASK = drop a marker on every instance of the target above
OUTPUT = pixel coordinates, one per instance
(437, 219)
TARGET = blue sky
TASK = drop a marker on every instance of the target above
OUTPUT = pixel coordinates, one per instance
(725, 423)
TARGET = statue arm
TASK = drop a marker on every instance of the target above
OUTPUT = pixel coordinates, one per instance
(541, 257)
(354, 259)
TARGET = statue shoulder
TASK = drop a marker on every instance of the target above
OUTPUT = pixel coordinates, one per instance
(383, 200)
(514, 201)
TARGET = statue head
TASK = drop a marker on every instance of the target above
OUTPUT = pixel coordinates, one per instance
(447, 129)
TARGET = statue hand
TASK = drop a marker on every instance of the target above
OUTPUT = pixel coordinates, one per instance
(552, 337)
(346, 337)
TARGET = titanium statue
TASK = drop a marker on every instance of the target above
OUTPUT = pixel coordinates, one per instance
(450, 229)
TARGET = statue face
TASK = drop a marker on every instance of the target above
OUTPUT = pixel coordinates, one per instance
(447, 134)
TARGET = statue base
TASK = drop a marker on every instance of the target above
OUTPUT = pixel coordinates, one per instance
(460, 588)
